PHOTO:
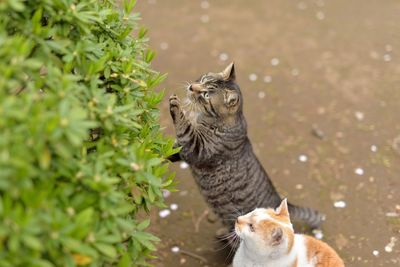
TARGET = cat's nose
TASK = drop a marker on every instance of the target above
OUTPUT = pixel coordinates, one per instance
(195, 87)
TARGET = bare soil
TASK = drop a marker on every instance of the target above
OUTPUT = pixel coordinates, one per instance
(321, 83)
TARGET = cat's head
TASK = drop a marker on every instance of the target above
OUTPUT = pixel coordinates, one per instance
(216, 96)
(266, 232)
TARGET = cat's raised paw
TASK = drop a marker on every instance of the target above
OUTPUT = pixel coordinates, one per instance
(174, 105)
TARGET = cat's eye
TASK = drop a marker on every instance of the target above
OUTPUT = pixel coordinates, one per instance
(206, 95)
(251, 226)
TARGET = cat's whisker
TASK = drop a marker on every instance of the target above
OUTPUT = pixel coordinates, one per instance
(227, 236)
(236, 242)
(229, 242)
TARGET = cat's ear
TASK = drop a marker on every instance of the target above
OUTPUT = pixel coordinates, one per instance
(283, 208)
(228, 74)
(276, 236)
(231, 98)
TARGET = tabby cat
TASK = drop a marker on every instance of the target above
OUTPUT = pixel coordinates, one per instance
(268, 240)
(212, 131)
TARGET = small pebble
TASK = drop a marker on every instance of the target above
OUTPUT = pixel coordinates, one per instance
(205, 18)
(359, 171)
(261, 94)
(205, 4)
(375, 253)
(359, 115)
(175, 249)
(184, 165)
(339, 204)
(212, 217)
(164, 213)
(374, 148)
(317, 132)
(253, 77)
(173, 206)
(267, 79)
(303, 158)
(223, 57)
(274, 61)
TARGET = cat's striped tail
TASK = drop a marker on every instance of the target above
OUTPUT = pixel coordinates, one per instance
(310, 216)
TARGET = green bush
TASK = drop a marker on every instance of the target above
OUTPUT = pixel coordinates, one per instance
(81, 151)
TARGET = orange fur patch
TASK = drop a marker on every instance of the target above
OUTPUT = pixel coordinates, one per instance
(321, 254)
(295, 263)
(268, 226)
(278, 217)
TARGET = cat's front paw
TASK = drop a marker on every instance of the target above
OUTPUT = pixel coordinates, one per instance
(174, 105)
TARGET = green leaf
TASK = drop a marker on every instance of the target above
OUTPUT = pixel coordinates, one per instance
(106, 249)
(32, 242)
(85, 217)
(125, 261)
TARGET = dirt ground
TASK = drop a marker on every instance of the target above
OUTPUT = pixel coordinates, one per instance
(321, 85)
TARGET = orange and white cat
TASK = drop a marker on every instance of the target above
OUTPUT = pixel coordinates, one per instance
(268, 240)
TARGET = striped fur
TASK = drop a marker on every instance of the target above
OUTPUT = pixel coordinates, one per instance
(212, 132)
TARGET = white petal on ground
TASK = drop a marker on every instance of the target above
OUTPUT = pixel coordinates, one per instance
(275, 61)
(320, 15)
(205, 18)
(223, 56)
(374, 148)
(205, 4)
(359, 115)
(339, 204)
(387, 57)
(302, 6)
(359, 171)
(173, 206)
(175, 249)
(299, 186)
(164, 46)
(318, 234)
(164, 213)
(166, 193)
(375, 253)
(261, 94)
(303, 158)
(267, 79)
(183, 165)
(253, 77)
